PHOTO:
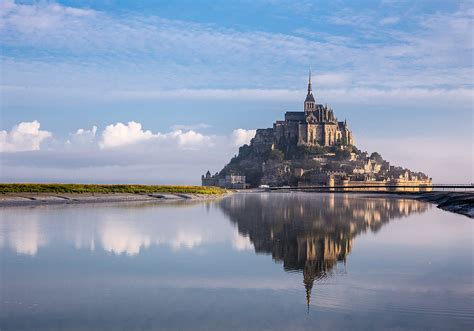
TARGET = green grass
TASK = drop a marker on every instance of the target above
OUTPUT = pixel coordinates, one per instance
(96, 188)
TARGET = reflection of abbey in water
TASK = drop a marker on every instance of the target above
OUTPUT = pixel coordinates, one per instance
(311, 233)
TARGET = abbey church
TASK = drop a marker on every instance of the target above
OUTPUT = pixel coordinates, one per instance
(316, 125)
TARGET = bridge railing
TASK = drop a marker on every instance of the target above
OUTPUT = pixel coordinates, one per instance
(380, 188)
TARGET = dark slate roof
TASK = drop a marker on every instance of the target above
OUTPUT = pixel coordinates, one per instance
(310, 97)
(295, 116)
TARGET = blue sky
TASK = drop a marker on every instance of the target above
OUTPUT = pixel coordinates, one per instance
(192, 73)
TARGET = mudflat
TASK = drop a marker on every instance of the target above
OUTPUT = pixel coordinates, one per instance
(35, 199)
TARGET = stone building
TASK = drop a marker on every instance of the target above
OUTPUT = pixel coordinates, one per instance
(315, 126)
(210, 180)
(231, 181)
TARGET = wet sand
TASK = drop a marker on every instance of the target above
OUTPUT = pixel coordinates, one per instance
(39, 199)
(456, 202)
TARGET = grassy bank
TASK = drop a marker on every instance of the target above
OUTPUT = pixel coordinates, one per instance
(96, 188)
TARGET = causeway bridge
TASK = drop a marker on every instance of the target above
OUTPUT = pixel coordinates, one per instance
(379, 188)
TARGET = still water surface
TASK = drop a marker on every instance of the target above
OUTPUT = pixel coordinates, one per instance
(270, 261)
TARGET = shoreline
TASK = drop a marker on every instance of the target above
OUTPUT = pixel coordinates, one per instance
(46, 199)
(455, 202)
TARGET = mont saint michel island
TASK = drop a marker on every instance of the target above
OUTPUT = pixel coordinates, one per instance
(312, 148)
(236, 165)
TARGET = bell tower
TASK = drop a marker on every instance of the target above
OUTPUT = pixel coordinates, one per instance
(309, 103)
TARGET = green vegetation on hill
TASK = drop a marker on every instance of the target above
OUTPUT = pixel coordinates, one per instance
(96, 188)
(301, 152)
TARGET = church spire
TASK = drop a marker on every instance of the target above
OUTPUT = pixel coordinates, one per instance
(309, 101)
(310, 89)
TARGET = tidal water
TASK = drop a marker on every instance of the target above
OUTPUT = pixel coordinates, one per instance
(263, 261)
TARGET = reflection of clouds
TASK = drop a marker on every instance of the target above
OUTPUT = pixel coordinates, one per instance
(26, 242)
(241, 243)
(186, 239)
(84, 243)
(83, 235)
(2, 235)
(183, 228)
(118, 238)
(118, 229)
(22, 234)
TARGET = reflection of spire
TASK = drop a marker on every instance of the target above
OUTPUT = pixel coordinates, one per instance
(308, 296)
(308, 287)
(308, 280)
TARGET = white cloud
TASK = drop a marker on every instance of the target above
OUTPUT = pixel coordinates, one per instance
(241, 136)
(190, 139)
(84, 136)
(122, 135)
(389, 20)
(34, 18)
(122, 153)
(25, 136)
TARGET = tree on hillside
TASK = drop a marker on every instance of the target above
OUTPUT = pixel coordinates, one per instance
(377, 157)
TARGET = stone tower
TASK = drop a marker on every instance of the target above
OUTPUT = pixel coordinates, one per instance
(309, 102)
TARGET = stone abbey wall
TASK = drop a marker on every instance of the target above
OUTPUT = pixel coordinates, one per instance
(315, 126)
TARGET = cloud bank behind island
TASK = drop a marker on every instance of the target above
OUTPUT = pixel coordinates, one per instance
(128, 153)
(120, 152)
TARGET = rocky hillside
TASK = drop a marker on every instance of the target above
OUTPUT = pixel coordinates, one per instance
(262, 163)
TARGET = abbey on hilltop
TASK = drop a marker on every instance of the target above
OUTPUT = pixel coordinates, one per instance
(315, 126)
(310, 147)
